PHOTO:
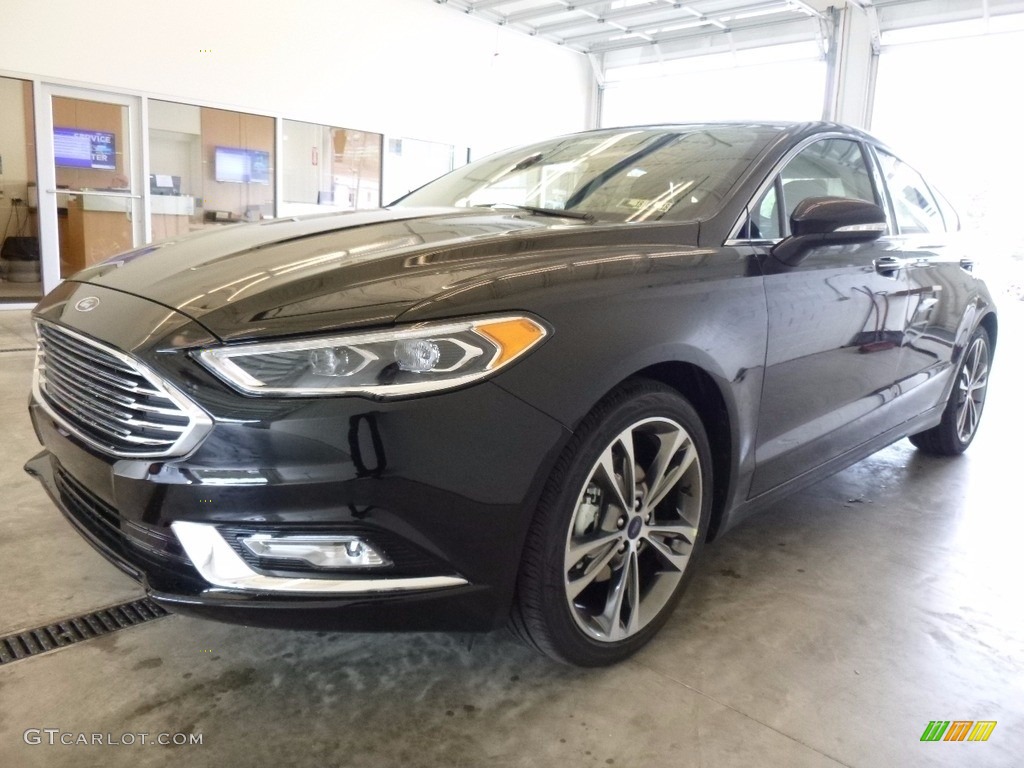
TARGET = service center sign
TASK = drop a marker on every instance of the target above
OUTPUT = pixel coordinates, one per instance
(76, 148)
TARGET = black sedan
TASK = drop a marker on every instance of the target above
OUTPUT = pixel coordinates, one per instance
(527, 393)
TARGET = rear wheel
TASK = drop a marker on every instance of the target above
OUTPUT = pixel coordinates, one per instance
(621, 521)
(962, 415)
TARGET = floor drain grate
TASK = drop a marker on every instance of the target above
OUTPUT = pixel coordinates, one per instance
(32, 642)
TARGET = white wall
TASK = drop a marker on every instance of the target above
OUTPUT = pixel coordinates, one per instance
(400, 67)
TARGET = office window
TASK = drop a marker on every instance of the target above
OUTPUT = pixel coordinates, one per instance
(329, 168)
(207, 167)
(19, 225)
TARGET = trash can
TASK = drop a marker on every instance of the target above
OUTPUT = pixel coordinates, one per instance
(19, 260)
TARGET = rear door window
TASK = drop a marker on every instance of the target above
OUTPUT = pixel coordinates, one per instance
(915, 207)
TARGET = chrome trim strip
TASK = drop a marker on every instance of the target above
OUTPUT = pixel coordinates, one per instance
(200, 423)
(220, 565)
(878, 227)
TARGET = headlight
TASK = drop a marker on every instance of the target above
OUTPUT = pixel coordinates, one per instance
(421, 358)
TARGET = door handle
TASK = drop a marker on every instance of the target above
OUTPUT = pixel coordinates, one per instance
(888, 265)
(93, 193)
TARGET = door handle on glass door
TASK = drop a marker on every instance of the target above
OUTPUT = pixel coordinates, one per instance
(888, 265)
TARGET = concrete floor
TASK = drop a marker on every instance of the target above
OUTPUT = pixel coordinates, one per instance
(827, 631)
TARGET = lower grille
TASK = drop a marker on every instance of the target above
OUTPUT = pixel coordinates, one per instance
(110, 400)
(157, 542)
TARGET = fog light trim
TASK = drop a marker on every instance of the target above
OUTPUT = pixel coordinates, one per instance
(221, 566)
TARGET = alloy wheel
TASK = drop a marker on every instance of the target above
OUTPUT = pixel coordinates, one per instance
(971, 386)
(633, 530)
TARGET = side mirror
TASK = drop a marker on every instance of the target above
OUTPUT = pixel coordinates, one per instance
(819, 221)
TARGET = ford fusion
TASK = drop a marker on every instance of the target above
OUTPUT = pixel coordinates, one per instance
(526, 393)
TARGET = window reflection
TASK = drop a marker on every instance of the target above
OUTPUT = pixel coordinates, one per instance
(411, 163)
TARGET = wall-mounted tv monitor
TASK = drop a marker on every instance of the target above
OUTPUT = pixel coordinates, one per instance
(241, 166)
(81, 148)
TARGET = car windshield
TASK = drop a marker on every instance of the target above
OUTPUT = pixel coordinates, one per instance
(625, 174)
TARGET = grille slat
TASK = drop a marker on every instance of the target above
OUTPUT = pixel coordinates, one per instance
(110, 400)
(116, 417)
(98, 378)
(82, 352)
(118, 400)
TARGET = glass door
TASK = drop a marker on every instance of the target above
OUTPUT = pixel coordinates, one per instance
(90, 202)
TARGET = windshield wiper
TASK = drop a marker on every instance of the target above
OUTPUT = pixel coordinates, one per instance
(559, 212)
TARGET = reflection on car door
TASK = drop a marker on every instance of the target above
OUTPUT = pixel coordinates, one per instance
(835, 326)
(937, 283)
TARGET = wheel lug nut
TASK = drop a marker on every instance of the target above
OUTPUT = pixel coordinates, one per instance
(621, 522)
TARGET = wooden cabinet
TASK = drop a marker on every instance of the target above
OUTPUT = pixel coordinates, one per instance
(94, 232)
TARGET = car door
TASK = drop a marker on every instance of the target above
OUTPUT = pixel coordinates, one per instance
(937, 274)
(835, 323)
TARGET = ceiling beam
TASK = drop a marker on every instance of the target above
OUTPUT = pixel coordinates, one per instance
(811, 10)
(542, 11)
(483, 5)
(667, 16)
(672, 37)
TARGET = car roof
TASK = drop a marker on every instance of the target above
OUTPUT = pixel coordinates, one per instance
(804, 128)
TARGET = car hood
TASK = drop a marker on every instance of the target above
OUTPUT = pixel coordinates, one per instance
(321, 273)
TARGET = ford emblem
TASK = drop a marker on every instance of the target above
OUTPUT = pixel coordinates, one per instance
(87, 304)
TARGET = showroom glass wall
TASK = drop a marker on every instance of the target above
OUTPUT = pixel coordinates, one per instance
(121, 171)
(411, 163)
(20, 279)
(207, 167)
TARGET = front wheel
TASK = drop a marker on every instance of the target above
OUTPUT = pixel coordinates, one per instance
(962, 415)
(619, 526)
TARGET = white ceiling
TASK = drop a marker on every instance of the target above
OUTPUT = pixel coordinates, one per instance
(600, 26)
(640, 27)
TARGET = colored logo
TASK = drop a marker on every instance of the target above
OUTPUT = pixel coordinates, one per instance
(958, 730)
(87, 304)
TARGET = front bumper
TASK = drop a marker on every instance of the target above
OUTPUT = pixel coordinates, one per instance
(449, 497)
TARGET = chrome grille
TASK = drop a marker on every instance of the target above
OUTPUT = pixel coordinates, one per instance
(111, 401)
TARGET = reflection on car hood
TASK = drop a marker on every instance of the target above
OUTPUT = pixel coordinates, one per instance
(316, 273)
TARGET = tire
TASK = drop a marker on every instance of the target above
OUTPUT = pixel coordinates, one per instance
(966, 402)
(596, 582)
